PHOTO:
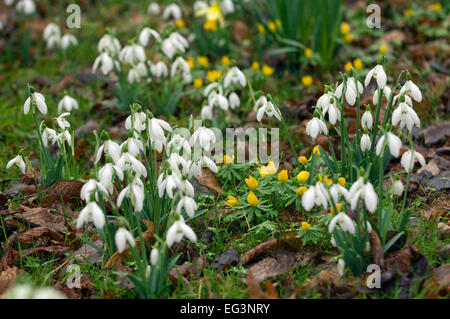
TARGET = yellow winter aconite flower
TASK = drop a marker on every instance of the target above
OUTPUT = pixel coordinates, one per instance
(255, 66)
(191, 62)
(214, 75)
(437, 6)
(345, 28)
(306, 226)
(301, 190)
(226, 60)
(198, 83)
(278, 23)
(210, 25)
(348, 38)
(342, 181)
(232, 201)
(272, 26)
(180, 24)
(252, 199)
(212, 13)
(203, 61)
(338, 207)
(348, 66)
(308, 53)
(228, 160)
(303, 176)
(261, 29)
(307, 80)
(315, 150)
(251, 182)
(302, 159)
(358, 64)
(383, 49)
(283, 176)
(328, 181)
(409, 13)
(269, 170)
(267, 70)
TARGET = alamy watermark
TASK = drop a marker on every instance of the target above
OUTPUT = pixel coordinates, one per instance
(73, 21)
(374, 19)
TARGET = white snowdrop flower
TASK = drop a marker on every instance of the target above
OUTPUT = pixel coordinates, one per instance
(227, 6)
(212, 87)
(341, 267)
(189, 205)
(132, 54)
(9, 2)
(25, 291)
(134, 145)
(377, 73)
(53, 41)
(168, 48)
(367, 120)
(64, 137)
(316, 195)
(386, 91)
(110, 148)
(351, 91)
(154, 256)
(91, 189)
(344, 222)
(17, 161)
(156, 129)
(105, 62)
(365, 142)
(68, 40)
(47, 293)
(235, 76)
(109, 44)
(172, 11)
(135, 192)
(233, 100)
(406, 116)
(168, 184)
(67, 103)
(122, 237)
(139, 120)
(178, 230)
(207, 112)
(106, 175)
(133, 76)
(180, 65)
(315, 126)
(178, 143)
(40, 103)
(154, 8)
(141, 69)
(393, 141)
(92, 212)
(204, 137)
(337, 190)
(52, 29)
(266, 107)
(205, 160)
(128, 162)
(325, 100)
(48, 135)
(159, 69)
(217, 99)
(334, 114)
(26, 6)
(398, 187)
(412, 89)
(174, 43)
(363, 190)
(408, 159)
(186, 186)
(199, 5)
(62, 122)
(146, 34)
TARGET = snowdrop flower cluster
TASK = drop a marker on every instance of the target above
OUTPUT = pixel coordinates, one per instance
(54, 39)
(60, 135)
(24, 291)
(109, 48)
(173, 44)
(23, 6)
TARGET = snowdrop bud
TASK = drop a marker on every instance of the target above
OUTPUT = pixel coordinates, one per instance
(122, 237)
(341, 266)
(367, 120)
(154, 8)
(68, 40)
(51, 29)
(365, 142)
(234, 100)
(172, 11)
(398, 187)
(154, 256)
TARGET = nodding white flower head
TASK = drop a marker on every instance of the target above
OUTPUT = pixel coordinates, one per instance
(92, 212)
(343, 221)
(91, 189)
(178, 143)
(110, 148)
(227, 6)
(315, 126)
(156, 129)
(334, 114)
(68, 40)
(325, 100)
(135, 191)
(408, 159)
(199, 5)
(67, 103)
(207, 112)
(122, 237)
(363, 190)
(141, 69)
(398, 187)
(106, 175)
(49, 135)
(139, 120)
(377, 73)
(173, 44)
(351, 92)
(205, 160)
(235, 76)
(64, 137)
(62, 122)
(266, 107)
(53, 41)
(386, 91)
(146, 34)
(128, 163)
(367, 120)
(109, 44)
(188, 204)
(365, 143)
(204, 137)
(26, 6)
(133, 76)
(39, 99)
(316, 195)
(154, 256)
(134, 146)
(154, 8)
(17, 161)
(172, 11)
(341, 267)
(159, 69)
(132, 54)
(168, 184)
(216, 98)
(25, 291)
(406, 116)
(178, 230)
(180, 65)
(393, 141)
(412, 89)
(52, 29)
(106, 63)
(234, 100)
